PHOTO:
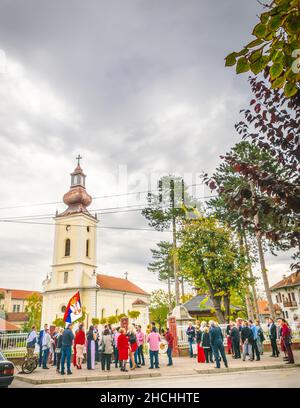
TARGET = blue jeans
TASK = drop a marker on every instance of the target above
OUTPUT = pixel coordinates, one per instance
(154, 359)
(169, 354)
(191, 342)
(45, 357)
(66, 352)
(219, 347)
(141, 355)
(136, 354)
(40, 356)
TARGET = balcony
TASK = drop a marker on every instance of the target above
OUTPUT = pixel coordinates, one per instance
(287, 303)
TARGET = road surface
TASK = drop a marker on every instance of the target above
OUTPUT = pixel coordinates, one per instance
(252, 379)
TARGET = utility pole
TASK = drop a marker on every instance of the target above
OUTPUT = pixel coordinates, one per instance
(262, 257)
(175, 266)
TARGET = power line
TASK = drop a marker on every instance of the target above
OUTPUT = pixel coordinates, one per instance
(94, 198)
(84, 226)
(100, 211)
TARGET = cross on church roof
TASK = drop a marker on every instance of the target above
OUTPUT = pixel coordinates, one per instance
(78, 158)
(126, 275)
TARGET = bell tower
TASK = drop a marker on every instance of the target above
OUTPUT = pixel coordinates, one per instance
(75, 251)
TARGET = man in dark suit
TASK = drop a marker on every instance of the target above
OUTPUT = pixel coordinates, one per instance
(273, 337)
(40, 343)
(235, 338)
(216, 341)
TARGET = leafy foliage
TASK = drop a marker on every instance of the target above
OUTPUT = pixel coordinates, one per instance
(134, 314)
(34, 311)
(160, 306)
(59, 322)
(212, 260)
(274, 51)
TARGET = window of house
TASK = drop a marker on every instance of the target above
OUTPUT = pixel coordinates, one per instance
(66, 276)
(277, 301)
(87, 248)
(102, 313)
(68, 247)
(63, 309)
(88, 229)
(293, 296)
(16, 308)
(280, 300)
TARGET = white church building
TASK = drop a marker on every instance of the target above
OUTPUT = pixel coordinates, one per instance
(75, 266)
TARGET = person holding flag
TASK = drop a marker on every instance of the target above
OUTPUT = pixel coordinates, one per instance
(73, 312)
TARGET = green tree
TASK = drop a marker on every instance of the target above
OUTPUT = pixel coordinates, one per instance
(33, 310)
(163, 264)
(166, 210)
(112, 320)
(59, 322)
(275, 49)
(160, 306)
(95, 321)
(212, 261)
(134, 314)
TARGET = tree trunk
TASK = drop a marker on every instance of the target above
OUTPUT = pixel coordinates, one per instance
(182, 286)
(226, 300)
(256, 312)
(249, 305)
(175, 266)
(216, 300)
(169, 294)
(262, 259)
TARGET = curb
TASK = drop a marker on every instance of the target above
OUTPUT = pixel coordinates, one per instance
(38, 381)
(240, 369)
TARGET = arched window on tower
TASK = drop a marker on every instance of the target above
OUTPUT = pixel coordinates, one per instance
(87, 248)
(68, 247)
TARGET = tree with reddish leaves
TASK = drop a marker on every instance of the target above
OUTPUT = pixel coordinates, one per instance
(272, 123)
(253, 208)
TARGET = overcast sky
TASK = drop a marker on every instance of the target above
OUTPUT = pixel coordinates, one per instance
(139, 84)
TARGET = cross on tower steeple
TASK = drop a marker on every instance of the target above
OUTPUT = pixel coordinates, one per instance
(78, 158)
(126, 275)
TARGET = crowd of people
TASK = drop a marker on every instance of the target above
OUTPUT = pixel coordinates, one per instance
(245, 339)
(117, 345)
(112, 345)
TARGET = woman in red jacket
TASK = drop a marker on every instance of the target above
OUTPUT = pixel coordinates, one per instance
(286, 335)
(123, 346)
(79, 343)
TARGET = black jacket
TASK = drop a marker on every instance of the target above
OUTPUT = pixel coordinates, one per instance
(198, 336)
(205, 340)
(273, 331)
(247, 334)
(235, 334)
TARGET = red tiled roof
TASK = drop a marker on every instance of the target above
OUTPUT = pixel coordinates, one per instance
(139, 302)
(263, 307)
(6, 326)
(291, 280)
(17, 317)
(119, 284)
(19, 294)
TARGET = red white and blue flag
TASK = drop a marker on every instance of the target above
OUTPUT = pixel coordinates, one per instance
(74, 310)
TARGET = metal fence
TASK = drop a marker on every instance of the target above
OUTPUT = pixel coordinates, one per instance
(13, 344)
(183, 340)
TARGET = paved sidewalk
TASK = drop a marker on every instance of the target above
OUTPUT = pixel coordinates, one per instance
(182, 366)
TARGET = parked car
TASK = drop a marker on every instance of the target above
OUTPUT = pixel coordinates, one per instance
(6, 372)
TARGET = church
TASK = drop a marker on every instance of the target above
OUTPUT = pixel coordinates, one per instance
(75, 266)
